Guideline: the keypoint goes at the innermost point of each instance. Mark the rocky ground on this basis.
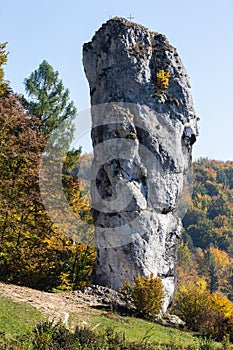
(58, 306)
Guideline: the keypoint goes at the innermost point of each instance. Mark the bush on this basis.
(53, 336)
(50, 335)
(210, 314)
(162, 80)
(84, 339)
(88, 339)
(192, 303)
(147, 295)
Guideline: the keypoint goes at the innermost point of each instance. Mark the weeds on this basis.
(54, 336)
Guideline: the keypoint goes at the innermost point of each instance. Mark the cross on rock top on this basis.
(130, 17)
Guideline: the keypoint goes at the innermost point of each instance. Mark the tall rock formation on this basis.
(143, 129)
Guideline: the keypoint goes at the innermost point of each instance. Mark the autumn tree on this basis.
(208, 224)
(209, 314)
(187, 268)
(209, 220)
(33, 251)
(223, 269)
(191, 303)
(48, 99)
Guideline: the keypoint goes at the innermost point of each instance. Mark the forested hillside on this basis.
(206, 250)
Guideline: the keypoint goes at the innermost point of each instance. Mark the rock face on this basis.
(143, 129)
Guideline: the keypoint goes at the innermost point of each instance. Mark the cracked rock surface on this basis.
(143, 130)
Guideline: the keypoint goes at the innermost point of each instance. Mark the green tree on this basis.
(213, 284)
(48, 99)
(3, 60)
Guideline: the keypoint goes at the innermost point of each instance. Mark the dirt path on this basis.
(56, 306)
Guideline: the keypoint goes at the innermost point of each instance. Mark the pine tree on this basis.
(3, 60)
(48, 99)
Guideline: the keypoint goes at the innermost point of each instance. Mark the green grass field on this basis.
(17, 321)
(135, 329)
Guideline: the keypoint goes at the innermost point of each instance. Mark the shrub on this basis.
(222, 305)
(191, 304)
(51, 335)
(161, 82)
(210, 314)
(218, 327)
(147, 295)
(88, 338)
(206, 344)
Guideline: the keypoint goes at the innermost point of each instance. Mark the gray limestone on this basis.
(142, 134)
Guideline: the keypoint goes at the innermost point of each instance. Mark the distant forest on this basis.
(206, 250)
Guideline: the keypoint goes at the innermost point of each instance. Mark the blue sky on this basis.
(201, 30)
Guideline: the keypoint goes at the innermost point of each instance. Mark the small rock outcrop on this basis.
(143, 129)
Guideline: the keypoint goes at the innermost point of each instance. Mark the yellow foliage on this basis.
(199, 287)
(222, 258)
(147, 294)
(223, 267)
(222, 305)
(162, 79)
(127, 289)
(210, 314)
(191, 301)
(202, 201)
(210, 174)
(65, 284)
(202, 285)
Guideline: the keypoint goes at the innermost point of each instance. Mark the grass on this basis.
(17, 319)
(135, 329)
